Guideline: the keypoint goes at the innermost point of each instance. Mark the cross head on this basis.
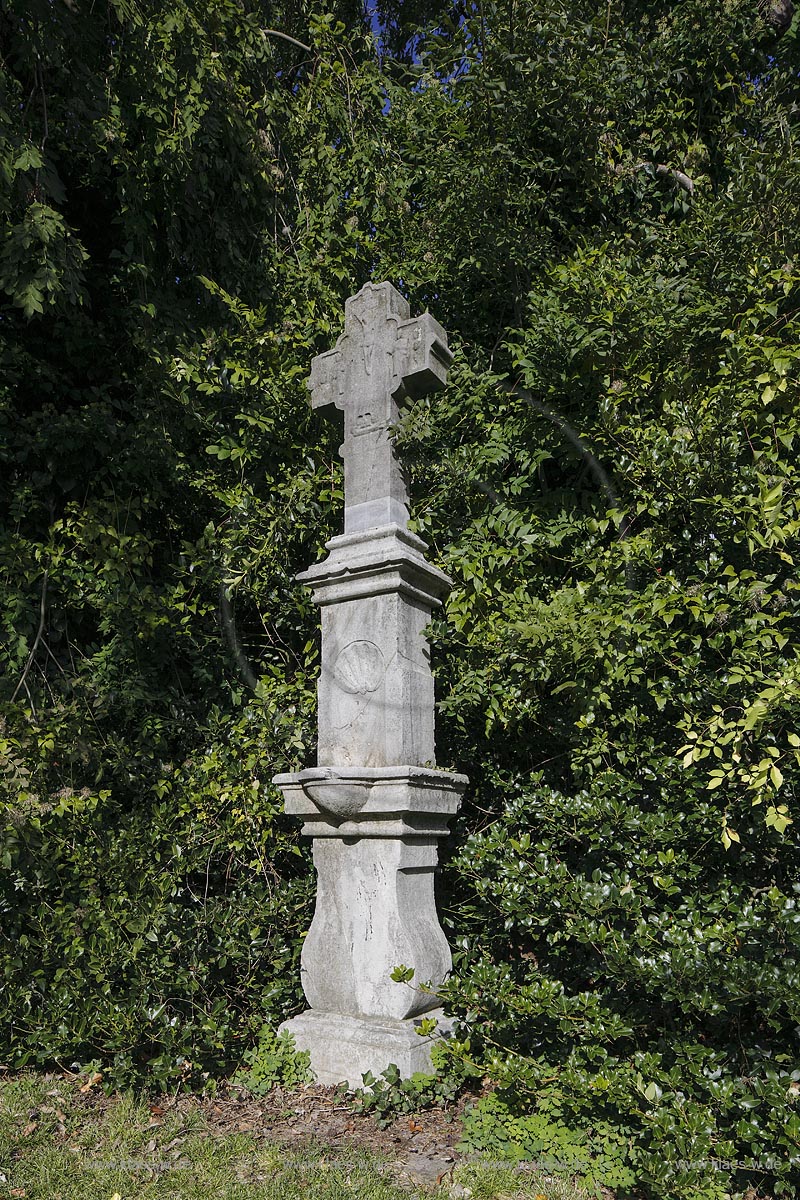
(383, 357)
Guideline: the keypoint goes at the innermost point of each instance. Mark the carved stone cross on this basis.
(382, 357)
(375, 804)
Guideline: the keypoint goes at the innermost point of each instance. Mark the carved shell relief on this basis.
(359, 667)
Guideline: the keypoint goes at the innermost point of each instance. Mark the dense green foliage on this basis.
(599, 204)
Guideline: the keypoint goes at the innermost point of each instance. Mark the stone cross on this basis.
(382, 357)
(375, 804)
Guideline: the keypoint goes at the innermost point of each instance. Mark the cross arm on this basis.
(326, 382)
(426, 358)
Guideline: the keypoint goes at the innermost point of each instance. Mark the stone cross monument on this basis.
(375, 806)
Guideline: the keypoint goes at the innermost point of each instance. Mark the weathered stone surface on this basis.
(375, 806)
(344, 1048)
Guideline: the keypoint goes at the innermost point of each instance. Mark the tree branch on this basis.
(277, 33)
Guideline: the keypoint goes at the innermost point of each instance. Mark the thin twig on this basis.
(46, 127)
(37, 639)
(229, 627)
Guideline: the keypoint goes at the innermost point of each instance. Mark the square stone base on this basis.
(344, 1048)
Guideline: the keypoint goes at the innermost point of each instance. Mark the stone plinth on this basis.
(344, 1048)
(375, 806)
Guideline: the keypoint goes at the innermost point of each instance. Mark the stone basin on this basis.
(340, 797)
(372, 801)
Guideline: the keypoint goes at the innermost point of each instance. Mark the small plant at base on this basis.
(391, 1096)
(275, 1060)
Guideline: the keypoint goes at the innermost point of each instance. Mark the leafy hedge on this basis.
(618, 663)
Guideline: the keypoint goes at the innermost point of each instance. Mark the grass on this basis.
(54, 1146)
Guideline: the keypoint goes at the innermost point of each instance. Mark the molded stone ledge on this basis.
(387, 559)
(343, 1048)
(365, 540)
(382, 802)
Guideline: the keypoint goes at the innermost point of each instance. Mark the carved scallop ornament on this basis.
(359, 668)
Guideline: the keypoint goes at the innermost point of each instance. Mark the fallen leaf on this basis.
(29, 1128)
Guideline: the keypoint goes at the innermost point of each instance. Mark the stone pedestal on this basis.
(375, 834)
(375, 806)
